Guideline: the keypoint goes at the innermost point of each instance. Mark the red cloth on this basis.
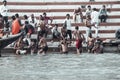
(78, 43)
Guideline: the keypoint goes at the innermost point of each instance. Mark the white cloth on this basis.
(28, 40)
(88, 31)
(38, 29)
(4, 10)
(95, 17)
(77, 18)
(31, 22)
(22, 51)
(96, 32)
(68, 24)
(88, 12)
(95, 21)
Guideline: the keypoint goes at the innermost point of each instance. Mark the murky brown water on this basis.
(61, 67)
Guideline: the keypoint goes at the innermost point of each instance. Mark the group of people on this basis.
(30, 26)
(40, 44)
(43, 26)
(92, 18)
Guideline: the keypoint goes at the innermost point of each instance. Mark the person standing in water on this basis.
(64, 46)
(42, 45)
(79, 39)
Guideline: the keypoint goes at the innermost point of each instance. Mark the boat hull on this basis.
(8, 40)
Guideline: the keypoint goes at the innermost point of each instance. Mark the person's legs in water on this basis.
(79, 46)
(45, 49)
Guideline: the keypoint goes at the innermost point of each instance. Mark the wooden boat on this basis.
(112, 45)
(5, 41)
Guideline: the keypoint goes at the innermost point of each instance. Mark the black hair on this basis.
(88, 6)
(5, 1)
(17, 15)
(94, 9)
(103, 5)
(25, 16)
(44, 13)
(1, 15)
(26, 22)
(67, 14)
(13, 17)
(76, 27)
(90, 35)
(41, 17)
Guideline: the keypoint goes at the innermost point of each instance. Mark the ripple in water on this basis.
(61, 67)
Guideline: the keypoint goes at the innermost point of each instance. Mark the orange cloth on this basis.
(15, 27)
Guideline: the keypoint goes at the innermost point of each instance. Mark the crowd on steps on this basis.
(65, 35)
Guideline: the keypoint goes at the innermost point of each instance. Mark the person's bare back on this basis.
(64, 46)
(78, 34)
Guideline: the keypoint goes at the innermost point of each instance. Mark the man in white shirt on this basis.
(32, 20)
(95, 20)
(4, 12)
(68, 25)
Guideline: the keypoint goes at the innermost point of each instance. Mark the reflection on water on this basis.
(61, 67)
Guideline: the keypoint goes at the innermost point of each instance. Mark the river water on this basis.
(61, 67)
